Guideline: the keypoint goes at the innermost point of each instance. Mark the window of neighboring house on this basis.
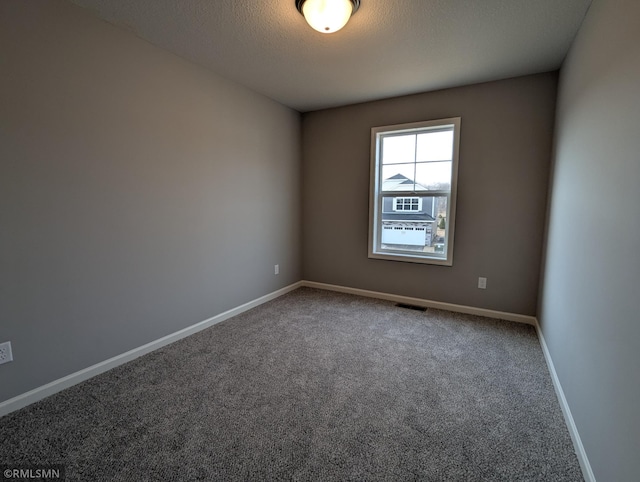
(407, 204)
(414, 170)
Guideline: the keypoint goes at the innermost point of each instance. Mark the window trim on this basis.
(376, 196)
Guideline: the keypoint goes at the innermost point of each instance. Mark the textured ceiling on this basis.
(389, 48)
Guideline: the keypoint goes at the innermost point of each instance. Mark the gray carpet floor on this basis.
(314, 385)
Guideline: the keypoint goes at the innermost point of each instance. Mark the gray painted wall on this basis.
(589, 309)
(139, 194)
(506, 137)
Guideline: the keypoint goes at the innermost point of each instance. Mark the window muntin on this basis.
(407, 204)
(413, 190)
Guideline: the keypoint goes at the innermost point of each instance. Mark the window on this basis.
(407, 204)
(414, 170)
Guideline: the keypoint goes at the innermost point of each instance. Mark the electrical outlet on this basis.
(482, 283)
(5, 352)
(276, 269)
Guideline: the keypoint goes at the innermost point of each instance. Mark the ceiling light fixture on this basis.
(327, 16)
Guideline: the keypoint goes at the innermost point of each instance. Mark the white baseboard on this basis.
(55, 386)
(44, 391)
(587, 472)
(470, 310)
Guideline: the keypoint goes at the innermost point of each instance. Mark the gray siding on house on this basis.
(388, 204)
(424, 214)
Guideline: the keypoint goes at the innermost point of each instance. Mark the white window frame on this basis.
(403, 202)
(376, 194)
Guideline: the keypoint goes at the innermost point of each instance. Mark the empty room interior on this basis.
(320, 240)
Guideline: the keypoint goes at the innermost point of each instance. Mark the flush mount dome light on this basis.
(327, 16)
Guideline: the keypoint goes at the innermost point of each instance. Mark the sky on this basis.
(428, 155)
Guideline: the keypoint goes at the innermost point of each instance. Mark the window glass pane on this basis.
(398, 149)
(411, 162)
(440, 237)
(434, 175)
(398, 177)
(411, 232)
(435, 146)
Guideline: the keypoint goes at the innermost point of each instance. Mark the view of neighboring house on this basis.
(410, 221)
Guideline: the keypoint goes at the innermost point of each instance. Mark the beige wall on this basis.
(589, 312)
(505, 148)
(139, 194)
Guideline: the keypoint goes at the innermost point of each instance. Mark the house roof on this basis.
(401, 183)
(407, 216)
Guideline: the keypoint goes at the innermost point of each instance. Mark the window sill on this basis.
(407, 258)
